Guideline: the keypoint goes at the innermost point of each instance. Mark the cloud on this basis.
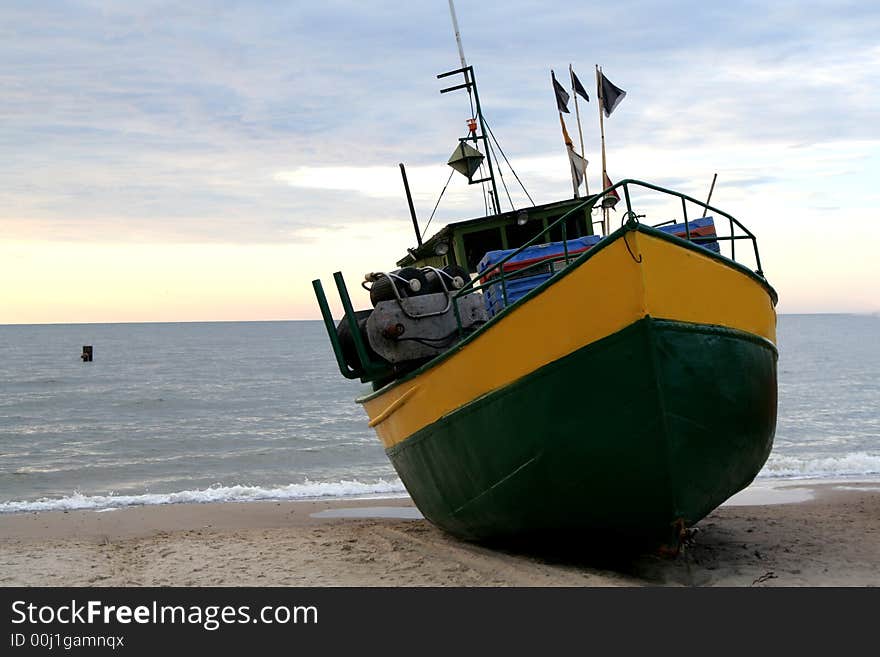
(262, 122)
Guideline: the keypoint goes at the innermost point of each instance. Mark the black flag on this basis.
(578, 87)
(561, 95)
(610, 95)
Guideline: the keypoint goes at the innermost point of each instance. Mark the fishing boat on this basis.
(536, 372)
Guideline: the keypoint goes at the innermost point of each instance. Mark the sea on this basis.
(242, 411)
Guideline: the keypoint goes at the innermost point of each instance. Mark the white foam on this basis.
(306, 490)
(848, 465)
(758, 495)
(778, 467)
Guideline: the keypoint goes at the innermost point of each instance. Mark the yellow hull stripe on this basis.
(603, 295)
(687, 286)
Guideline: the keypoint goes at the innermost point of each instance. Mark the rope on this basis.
(500, 150)
(501, 175)
(449, 337)
(485, 195)
(425, 231)
(631, 254)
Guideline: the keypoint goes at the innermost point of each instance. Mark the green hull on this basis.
(652, 426)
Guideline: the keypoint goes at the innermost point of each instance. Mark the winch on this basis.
(414, 316)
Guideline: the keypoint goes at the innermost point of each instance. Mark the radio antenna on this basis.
(457, 34)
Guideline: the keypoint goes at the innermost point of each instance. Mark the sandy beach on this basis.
(831, 537)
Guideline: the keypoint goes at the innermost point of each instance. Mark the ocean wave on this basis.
(848, 465)
(306, 490)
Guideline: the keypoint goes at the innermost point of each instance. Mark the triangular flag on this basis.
(609, 94)
(577, 86)
(606, 181)
(578, 165)
(561, 95)
(565, 136)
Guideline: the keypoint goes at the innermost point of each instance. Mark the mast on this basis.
(457, 34)
(412, 209)
(470, 83)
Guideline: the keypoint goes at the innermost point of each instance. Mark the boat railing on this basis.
(497, 274)
(733, 223)
(370, 369)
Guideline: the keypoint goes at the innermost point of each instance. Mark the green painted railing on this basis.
(630, 215)
(371, 370)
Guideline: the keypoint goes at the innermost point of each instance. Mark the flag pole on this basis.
(601, 104)
(580, 131)
(574, 180)
(565, 139)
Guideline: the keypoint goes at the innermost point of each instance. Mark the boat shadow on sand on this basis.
(759, 547)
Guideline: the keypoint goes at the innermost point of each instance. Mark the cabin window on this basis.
(476, 245)
(518, 235)
(573, 228)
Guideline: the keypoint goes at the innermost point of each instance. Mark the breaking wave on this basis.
(306, 490)
(849, 465)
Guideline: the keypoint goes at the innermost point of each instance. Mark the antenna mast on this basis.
(457, 34)
(470, 83)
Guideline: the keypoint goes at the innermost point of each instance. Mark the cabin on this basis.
(464, 243)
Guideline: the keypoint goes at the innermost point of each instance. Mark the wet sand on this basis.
(828, 534)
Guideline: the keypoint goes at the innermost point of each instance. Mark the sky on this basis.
(202, 161)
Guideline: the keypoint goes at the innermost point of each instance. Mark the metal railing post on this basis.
(361, 350)
(331, 330)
